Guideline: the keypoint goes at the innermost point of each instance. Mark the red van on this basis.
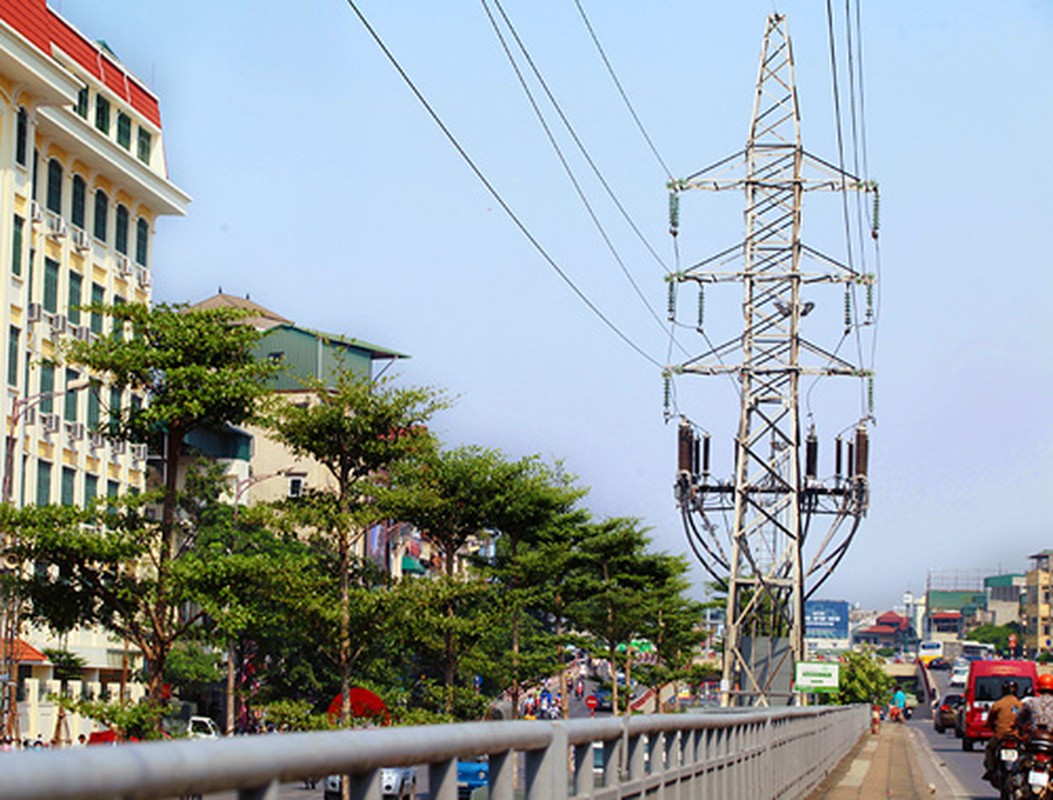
(984, 686)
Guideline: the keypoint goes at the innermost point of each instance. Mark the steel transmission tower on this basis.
(751, 532)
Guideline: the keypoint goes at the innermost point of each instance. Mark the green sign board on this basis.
(817, 676)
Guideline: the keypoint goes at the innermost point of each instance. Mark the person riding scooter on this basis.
(1001, 718)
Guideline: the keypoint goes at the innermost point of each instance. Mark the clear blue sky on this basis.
(323, 190)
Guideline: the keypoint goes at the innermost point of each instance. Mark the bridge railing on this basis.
(776, 753)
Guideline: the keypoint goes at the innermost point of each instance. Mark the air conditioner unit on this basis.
(81, 240)
(59, 323)
(56, 225)
(51, 422)
(96, 440)
(139, 452)
(82, 333)
(124, 265)
(36, 211)
(118, 447)
(30, 416)
(144, 276)
(34, 312)
(75, 431)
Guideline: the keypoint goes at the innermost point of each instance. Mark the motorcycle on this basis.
(1008, 776)
(1035, 767)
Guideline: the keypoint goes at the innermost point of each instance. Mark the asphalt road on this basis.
(967, 767)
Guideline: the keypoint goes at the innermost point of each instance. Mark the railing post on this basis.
(442, 778)
(502, 775)
(366, 786)
(582, 782)
(546, 769)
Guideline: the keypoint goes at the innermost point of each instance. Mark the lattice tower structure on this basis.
(771, 505)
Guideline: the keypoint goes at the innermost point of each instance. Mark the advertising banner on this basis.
(826, 619)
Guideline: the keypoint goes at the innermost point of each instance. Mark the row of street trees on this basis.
(284, 588)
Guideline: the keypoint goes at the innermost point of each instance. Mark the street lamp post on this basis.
(12, 601)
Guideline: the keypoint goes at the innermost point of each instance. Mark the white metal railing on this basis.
(774, 753)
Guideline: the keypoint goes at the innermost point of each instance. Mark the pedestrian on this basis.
(898, 709)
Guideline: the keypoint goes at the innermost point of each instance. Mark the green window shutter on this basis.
(124, 130)
(82, 102)
(51, 277)
(115, 410)
(70, 405)
(12, 355)
(143, 146)
(98, 297)
(94, 405)
(16, 245)
(142, 240)
(102, 207)
(121, 234)
(69, 478)
(47, 386)
(43, 483)
(91, 489)
(102, 114)
(77, 206)
(21, 136)
(118, 325)
(54, 195)
(74, 299)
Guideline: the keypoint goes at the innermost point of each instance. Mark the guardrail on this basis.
(776, 753)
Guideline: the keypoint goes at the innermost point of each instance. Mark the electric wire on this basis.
(577, 141)
(562, 158)
(621, 90)
(493, 191)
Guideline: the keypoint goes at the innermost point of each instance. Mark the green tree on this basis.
(862, 680)
(358, 429)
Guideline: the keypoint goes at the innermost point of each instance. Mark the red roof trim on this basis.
(44, 29)
(24, 652)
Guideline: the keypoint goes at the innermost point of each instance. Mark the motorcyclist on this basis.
(1001, 718)
(1037, 712)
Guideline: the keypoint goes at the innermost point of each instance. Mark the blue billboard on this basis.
(826, 619)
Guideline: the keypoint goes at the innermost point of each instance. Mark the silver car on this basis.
(396, 782)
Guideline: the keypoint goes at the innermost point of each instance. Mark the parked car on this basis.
(471, 774)
(945, 715)
(939, 663)
(396, 782)
(202, 728)
(604, 700)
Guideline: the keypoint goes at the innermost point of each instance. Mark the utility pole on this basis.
(770, 507)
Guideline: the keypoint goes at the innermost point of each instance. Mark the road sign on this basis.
(591, 702)
(817, 676)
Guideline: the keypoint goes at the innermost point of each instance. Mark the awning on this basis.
(411, 566)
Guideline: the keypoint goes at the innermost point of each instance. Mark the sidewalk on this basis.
(895, 763)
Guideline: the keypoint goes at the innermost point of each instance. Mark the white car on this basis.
(959, 674)
(397, 782)
(202, 728)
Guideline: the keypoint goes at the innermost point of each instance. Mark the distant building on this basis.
(1005, 596)
(1038, 636)
(889, 630)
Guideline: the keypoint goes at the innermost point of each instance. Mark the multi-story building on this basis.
(1038, 626)
(82, 184)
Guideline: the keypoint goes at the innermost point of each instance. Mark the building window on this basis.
(118, 324)
(102, 207)
(43, 483)
(54, 195)
(120, 239)
(102, 114)
(98, 297)
(69, 478)
(94, 405)
(295, 486)
(91, 489)
(143, 146)
(51, 276)
(74, 301)
(12, 356)
(80, 191)
(124, 130)
(115, 411)
(69, 411)
(142, 240)
(47, 388)
(82, 102)
(16, 246)
(21, 134)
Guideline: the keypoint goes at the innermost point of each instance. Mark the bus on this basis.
(978, 651)
(928, 650)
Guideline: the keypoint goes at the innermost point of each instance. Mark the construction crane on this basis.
(776, 530)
